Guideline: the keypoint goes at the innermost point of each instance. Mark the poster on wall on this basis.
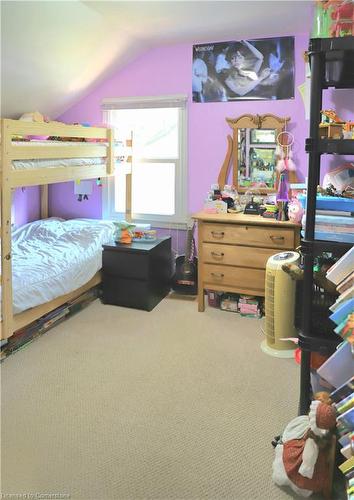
(260, 69)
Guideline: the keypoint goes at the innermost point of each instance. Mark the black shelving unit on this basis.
(332, 65)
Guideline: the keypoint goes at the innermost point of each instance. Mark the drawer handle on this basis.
(218, 234)
(281, 238)
(217, 275)
(216, 254)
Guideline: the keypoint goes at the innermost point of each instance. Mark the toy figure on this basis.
(301, 454)
(319, 277)
(343, 17)
(124, 232)
(295, 211)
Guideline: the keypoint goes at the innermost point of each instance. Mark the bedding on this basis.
(62, 162)
(52, 257)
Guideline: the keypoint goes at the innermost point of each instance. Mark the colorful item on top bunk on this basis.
(37, 117)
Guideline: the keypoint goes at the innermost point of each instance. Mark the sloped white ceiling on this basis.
(54, 52)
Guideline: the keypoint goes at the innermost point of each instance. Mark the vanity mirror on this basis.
(253, 151)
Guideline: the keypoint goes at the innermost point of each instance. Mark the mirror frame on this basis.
(266, 121)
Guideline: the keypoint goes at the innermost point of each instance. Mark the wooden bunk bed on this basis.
(11, 178)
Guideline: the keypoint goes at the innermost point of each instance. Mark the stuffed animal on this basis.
(295, 211)
(301, 453)
(124, 232)
(319, 277)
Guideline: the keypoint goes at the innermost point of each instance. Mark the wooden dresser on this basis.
(233, 250)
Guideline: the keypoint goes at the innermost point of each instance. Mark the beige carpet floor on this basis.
(122, 404)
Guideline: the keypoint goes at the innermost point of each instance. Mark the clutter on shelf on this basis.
(333, 127)
(334, 206)
(333, 19)
(222, 200)
(127, 232)
(245, 305)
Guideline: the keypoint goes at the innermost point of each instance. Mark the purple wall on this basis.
(25, 205)
(168, 70)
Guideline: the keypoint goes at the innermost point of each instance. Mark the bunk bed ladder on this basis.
(6, 268)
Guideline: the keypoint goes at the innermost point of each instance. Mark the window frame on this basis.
(180, 218)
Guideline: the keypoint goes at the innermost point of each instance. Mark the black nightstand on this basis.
(136, 275)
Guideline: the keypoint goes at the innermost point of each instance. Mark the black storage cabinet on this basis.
(136, 275)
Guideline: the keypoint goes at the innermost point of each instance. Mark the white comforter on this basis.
(53, 257)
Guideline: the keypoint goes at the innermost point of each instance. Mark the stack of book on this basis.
(338, 370)
(334, 219)
(342, 275)
(343, 399)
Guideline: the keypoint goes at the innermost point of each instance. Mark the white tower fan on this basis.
(279, 306)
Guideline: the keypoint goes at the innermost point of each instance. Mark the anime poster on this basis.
(246, 70)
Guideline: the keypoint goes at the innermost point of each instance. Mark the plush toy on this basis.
(301, 453)
(124, 232)
(295, 211)
(319, 277)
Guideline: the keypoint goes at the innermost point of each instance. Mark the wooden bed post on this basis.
(44, 201)
(128, 181)
(110, 152)
(6, 265)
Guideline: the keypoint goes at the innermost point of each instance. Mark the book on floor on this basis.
(347, 451)
(346, 439)
(346, 283)
(342, 312)
(347, 466)
(345, 404)
(342, 268)
(347, 295)
(339, 367)
(343, 391)
(345, 422)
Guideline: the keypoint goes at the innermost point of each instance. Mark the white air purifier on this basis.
(279, 306)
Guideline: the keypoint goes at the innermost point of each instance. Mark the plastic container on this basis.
(229, 302)
(214, 298)
(330, 203)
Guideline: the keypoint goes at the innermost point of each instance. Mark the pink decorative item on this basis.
(295, 211)
(284, 153)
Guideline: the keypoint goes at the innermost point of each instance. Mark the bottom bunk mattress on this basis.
(52, 257)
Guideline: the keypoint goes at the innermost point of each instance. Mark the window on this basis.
(157, 126)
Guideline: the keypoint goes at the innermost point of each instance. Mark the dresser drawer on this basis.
(268, 237)
(233, 255)
(234, 276)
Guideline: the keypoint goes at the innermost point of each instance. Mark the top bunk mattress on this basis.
(53, 257)
(34, 163)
